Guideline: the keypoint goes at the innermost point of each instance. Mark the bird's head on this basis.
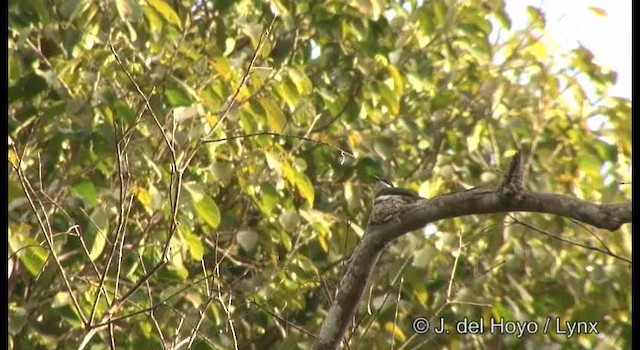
(387, 191)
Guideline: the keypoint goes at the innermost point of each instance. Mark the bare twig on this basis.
(454, 268)
(147, 103)
(151, 315)
(243, 81)
(275, 134)
(556, 237)
(45, 226)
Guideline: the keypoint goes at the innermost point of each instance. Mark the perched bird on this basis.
(390, 202)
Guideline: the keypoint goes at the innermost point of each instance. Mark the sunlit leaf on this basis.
(536, 16)
(389, 98)
(598, 11)
(95, 235)
(301, 81)
(276, 120)
(287, 90)
(29, 251)
(398, 83)
(301, 183)
(395, 331)
(153, 18)
(166, 11)
(205, 206)
(124, 8)
(196, 248)
(474, 140)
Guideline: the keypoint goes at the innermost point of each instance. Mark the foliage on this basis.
(115, 105)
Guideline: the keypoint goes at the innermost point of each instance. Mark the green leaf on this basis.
(206, 208)
(15, 69)
(300, 181)
(155, 22)
(474, 140)
(301, 81)
(268, 198)
(95, 235)
(389, 98)
(32, 255)
(442, 100)
(288, 92)
(41, 8)
(178, 97)
(536, 16)
(54, 110)
(166, 11)
(143, 196)
(87, 191)
(398, 82)
(19, 317)
(285, 240)
(222, 66)
(123, 111)
(15, 190)
(276, 120)
(196, 249)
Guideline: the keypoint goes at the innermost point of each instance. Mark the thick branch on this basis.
(417, 215)
(605, 216)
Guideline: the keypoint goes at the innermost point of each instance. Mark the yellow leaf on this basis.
(398, 82)
(598, 11)
(300, 181)
(144, 197)
(354, 138)
(301, 81)
(474, 140)
(396, 331)
(13, 158)
(166, 11)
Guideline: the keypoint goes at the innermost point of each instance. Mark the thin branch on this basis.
(151, 315)
(280, 318)
(243, 81)
(586, 246)
(395, 279)
(192, 152)
(147, 103)
(45, 226)
(395, 314)
(355, 90)
(174, 192)
(275, 134)
(584, 227)
(454, 268)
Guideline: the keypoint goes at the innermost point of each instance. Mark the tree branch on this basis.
(510, 196)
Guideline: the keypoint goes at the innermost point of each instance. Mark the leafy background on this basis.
(115, 105)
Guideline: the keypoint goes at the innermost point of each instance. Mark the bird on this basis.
(390, 201)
